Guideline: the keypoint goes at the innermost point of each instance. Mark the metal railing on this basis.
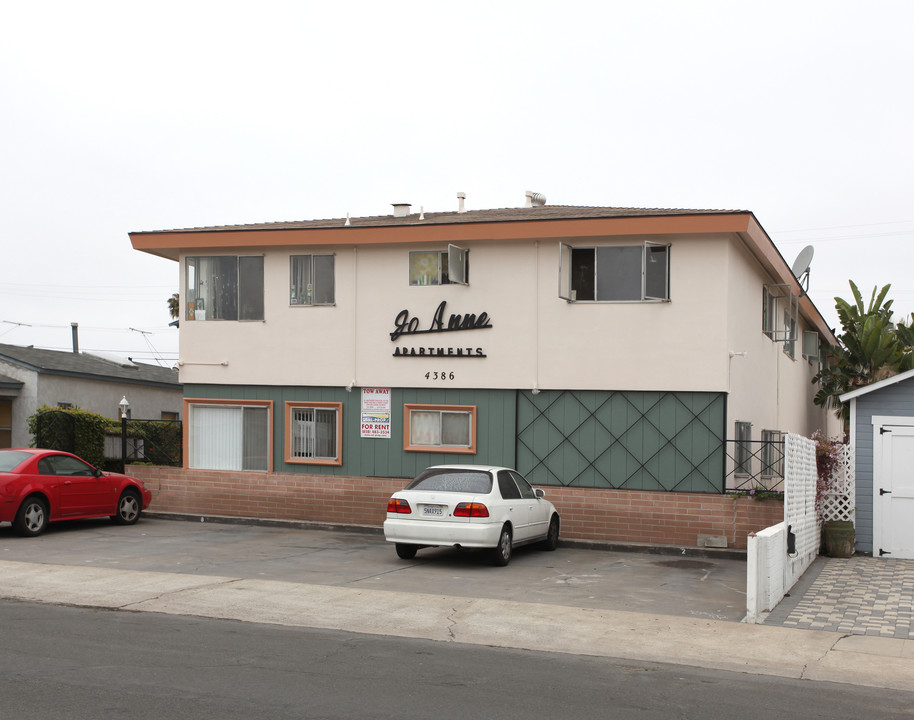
(754, 465)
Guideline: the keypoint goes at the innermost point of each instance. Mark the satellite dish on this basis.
(800, 266)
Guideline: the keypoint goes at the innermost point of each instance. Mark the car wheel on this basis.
(128, 508)
(407, 552)
(552, 537)
(501, 555)
(32, 517)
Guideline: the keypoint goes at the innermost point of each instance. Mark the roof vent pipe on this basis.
(401, 209)
(74, 329)
(535, 199)
(461, 197)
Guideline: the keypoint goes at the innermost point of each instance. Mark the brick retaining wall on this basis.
(587, 514)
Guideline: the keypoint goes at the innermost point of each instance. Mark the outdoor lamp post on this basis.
(123, 405)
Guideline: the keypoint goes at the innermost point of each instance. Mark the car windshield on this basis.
(11, 459)
(463, 481)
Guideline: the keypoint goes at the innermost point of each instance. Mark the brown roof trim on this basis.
(170, 243)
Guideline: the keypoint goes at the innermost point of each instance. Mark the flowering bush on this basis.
(828, 459)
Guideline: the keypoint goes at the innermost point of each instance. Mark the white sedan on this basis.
(472, 506)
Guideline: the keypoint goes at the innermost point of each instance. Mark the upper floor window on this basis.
(629, 273)
(312, 281)
(790, 332)
(224, 287)
(780, 310)
(439, 267)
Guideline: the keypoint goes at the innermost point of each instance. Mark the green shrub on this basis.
(88, 433)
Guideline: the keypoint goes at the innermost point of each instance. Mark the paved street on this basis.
(82, 664)
(632, 606)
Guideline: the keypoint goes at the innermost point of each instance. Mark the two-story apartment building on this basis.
(608, 354)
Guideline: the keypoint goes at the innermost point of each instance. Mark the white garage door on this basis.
(893, 490)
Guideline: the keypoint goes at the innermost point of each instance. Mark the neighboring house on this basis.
(882, 435)
(595, 349)
(32, 377)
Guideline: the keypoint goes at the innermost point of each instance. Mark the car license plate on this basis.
(433, 510)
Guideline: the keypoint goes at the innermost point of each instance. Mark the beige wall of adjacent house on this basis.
(536, 339)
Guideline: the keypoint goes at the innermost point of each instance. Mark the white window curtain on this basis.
(229, 437)
(215, 437)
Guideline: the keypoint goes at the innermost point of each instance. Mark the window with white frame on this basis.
(311, 280)
(229, 436)
(772, 453)
(627, 273)
(439, 428)
(743, 454)
(224, 287)
(439, 267)
(780, 312)
(314, 432)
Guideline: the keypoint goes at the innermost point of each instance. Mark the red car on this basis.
(41, 486)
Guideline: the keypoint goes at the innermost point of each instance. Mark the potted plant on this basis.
(838, 535)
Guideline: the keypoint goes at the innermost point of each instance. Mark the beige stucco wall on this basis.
(536, 338)
(767, 387)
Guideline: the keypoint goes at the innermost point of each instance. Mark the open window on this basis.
(780, 313)
(439, 267)
(617, 273)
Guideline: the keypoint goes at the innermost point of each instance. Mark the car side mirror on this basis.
(539, 492)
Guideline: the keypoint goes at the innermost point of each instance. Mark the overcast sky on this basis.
(120, 116)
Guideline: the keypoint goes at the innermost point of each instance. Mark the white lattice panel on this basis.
(838, 502)
(800, 478)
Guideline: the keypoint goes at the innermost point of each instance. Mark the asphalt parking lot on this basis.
(701, 587)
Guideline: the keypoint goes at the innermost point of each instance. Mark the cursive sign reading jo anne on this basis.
(406, 325)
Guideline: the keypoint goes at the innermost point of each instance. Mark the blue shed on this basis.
(882, 434)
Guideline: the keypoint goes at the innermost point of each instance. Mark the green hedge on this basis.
(89, 432)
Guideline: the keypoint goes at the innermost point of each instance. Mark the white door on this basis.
(893, 491)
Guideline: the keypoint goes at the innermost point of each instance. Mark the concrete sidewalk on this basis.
(83, 567)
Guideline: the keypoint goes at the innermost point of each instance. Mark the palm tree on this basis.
(871, 348)
(174, 306)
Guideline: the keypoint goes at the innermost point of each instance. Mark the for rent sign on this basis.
(375, 412)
